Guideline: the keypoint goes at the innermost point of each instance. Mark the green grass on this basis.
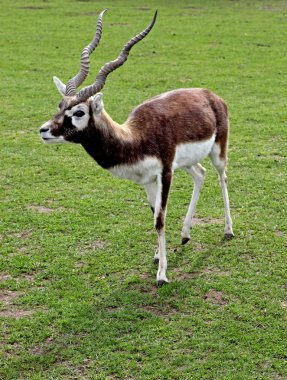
(78, 297)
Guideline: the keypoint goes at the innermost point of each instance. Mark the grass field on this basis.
(78, 297)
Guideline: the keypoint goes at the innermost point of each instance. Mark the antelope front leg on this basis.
(151, 190)
(163, 187)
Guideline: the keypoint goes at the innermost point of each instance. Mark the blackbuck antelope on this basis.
(177, 129)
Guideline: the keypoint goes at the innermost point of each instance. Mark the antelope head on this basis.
(76, 109)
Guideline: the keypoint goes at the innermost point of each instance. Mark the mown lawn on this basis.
(78, 297)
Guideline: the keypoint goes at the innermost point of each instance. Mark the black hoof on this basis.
(228, 236)
(184, 240)
(156, 261)
(160, 283)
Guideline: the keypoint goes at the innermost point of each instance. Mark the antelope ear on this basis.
(97, 103)
(60, 86)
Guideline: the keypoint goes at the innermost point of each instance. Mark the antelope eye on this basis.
(79, 113)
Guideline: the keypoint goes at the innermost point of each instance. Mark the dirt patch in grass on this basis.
(42, 349)
(28, 277)
(7, 298)
(92, 246)
(80, 264)
(81, 370)
(43, 209)
(113, 309)
(198, 247)
(205, 221)
(25, 234)
(98, 244)
(22, 250)
(184, 276)
(40, 209)
(25, 276)
(215, 297)
(165, 311)
(4, 277)
(16, 313)
(148, 287)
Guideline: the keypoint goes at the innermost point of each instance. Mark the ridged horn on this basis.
(78, 79)
(100, 81)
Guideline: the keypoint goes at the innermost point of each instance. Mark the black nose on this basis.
(44, 129)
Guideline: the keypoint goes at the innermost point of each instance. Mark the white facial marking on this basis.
(54, 140)
(47, 137)
(80, 115)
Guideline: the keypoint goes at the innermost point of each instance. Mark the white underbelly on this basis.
(189, 154)
(147, 170)
(142, 172)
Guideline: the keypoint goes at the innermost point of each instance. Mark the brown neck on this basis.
(113, 129)
(110, 143)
